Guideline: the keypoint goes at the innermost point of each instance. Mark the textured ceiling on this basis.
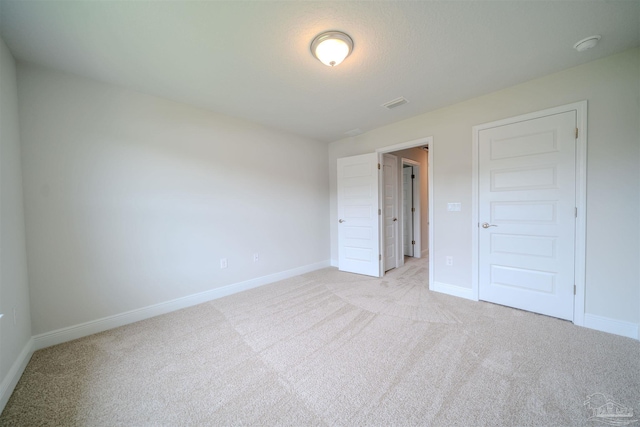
(252, 59)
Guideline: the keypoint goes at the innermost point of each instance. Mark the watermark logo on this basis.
(606, 410)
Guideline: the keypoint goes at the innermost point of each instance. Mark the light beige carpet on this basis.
(330, 348)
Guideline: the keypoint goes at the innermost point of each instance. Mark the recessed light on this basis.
(587, 43)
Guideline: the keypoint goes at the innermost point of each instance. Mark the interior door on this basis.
(407, 209)
(390, 210)
(358, 224)
(527, 214)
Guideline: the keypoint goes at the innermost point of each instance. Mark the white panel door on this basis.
(407, 209)
(358, 227)
(390, 210)
(527, 214)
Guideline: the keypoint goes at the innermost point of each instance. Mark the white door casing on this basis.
(390, 210)
(358, 225)
(407, 209)
(527, 201)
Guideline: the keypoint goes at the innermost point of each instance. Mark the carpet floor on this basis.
(332, 348)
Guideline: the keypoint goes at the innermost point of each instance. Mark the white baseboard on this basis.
(334, 263)
(59, 336)
(591, 321)
(13, 376)
(612, 326)
(456, 291)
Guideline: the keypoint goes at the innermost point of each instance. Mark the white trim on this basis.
(612, 326)
(404, 145)
(380, 221)
(581, 198)
(400, 212)
(99, 325)
(410, 161)
(453, 290)
(417, 215)
(333, 263)
(13, 376)
(430, 251)
(581, 220)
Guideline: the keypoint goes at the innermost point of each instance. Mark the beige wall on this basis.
(612, 88)
(14, 291)
(132, 200)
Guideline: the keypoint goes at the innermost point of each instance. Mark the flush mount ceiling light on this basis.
(587, 43)
(332, 47)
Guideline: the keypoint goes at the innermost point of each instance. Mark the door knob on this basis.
(341, 221)
(487, 225)
(395, 219)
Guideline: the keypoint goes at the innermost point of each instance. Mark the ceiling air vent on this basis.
(353, 132)
(395, 103)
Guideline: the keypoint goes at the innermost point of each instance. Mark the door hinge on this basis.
(413, 242)
(413, 177)
(379, 257)
(379, 211)
(378, 166)
(574, 289)
(413, 209)
(576, 133)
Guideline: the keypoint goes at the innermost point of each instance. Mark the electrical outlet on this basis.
(223, 263)
(256, 257)
(449, 260)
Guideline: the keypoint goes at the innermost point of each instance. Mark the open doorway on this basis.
(360, 197)
(408, 189)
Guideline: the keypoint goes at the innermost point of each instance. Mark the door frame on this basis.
(417, 229)
(581, 199)
(428, 141)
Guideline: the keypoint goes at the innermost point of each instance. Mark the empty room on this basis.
(319, 213)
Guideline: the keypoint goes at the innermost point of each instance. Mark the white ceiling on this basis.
(252, 59)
